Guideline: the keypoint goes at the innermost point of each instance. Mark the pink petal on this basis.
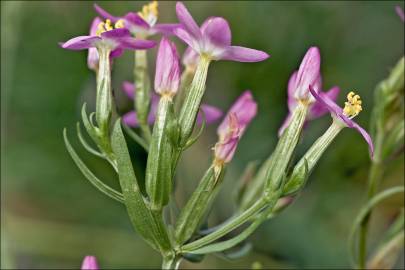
(134, 20)
(80, 43)
(291, 101)
(308, 73)
(366, 137)
(187, 21)
(317, 109)
(216, 32)
(185, 36)
(105, 14)
(89, 263)
(94, 26)
(211, 114)
(116, 34)
(242, 54)
(166, 29)
(136, 44)
(129, 89)
(167, 77)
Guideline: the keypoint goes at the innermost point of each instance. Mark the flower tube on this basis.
(89, 263)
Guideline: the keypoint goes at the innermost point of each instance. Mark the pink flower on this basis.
(233, 126)
(307, 74)
(89, 263)
(213, 39)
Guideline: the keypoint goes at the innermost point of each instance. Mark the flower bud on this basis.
(167, 78)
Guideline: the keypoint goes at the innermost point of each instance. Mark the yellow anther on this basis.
(352, 105)
(119, 24)
(150, 12)
(107, 26)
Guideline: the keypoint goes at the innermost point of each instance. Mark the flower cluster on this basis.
(163, 122)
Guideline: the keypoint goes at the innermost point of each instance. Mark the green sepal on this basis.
(173, 127)
(192, 101)
(285, 148)
(191, 141)
(158, 176)
(297, 179)
(90, 128)
(193, 212)
(143, 220)
(112, 193)
(85, 144)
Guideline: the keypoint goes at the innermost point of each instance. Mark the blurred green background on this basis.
(52, 217)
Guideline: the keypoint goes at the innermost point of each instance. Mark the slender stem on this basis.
(171, 262)
(376, 173)
(227, 227)
(142, 93)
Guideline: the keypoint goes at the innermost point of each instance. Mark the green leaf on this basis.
(393, 141)
(85, 144)
(144, 221)
(365, 210)
(112, 193)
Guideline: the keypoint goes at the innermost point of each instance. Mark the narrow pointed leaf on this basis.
(141, 217)
(112, 193)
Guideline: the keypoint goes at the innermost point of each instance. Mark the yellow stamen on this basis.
(352, 105)
(150, 12)
(119, 24)
(107, 26)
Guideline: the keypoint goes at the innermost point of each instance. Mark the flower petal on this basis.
(185, 36)
(216, 32)
(92, 59)
(245, 109)
(317, 109)
(242, 54)
(80, 43)
(116, 34)
(308, 73)
(167, 28)
(187, 21)
(291, 101)
(94, 26)
(400, 13)
(133, 19)
(105, 14)
(89, 263)
(366, 137)
(211, 114)
(129, 89)
(136, 44)
(167, 77)
(116, 53)
(190, 57)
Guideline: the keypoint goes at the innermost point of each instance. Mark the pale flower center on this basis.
(352, 105)
(107, 26)
(150, 13)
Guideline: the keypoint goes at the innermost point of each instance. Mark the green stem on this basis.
(376, 173)
(142, 93)
(231, 224)
(171, 262)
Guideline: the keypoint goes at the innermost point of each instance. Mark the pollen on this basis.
(150, 12)
(352, 105)
(107, 26)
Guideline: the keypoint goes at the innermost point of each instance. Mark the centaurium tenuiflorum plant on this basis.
(172, 117)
